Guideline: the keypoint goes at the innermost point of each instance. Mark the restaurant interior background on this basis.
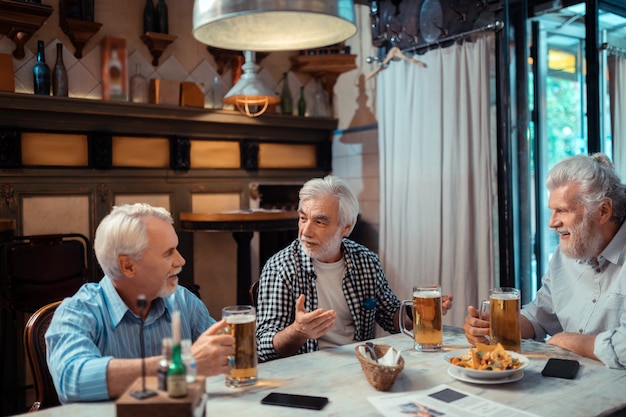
(185, 59)
(462, 204)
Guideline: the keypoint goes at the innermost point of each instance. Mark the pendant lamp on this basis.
(273, 25)
(249, 95)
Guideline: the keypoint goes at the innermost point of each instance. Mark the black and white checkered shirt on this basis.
(290, 273)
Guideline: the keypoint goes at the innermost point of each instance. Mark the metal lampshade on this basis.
(249, 95)
(273, 25)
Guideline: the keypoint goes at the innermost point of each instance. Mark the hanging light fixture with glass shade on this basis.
(249, 95)
(273, 25)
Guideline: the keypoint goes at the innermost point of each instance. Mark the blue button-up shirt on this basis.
(95, 325)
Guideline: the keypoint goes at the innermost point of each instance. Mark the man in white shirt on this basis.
(581, 304)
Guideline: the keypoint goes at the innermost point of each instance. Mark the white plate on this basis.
(456, 372)
(475, 374)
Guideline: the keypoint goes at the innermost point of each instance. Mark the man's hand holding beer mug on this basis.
(241, 324)
(498, 320)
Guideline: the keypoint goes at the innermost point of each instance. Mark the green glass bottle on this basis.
(177, 373)
(301, 103)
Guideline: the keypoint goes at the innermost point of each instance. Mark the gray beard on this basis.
(585, 243)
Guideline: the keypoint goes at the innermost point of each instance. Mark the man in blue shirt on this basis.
(93, 348)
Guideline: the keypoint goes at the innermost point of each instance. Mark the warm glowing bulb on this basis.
(252, 107)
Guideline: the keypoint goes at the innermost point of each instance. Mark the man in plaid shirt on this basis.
(323, 289)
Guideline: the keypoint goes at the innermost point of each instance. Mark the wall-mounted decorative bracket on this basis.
(19, 21)
(325, 67)
(157, 43)
(79, 32)
(223, 57)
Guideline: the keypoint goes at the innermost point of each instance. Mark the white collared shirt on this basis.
(586, 298)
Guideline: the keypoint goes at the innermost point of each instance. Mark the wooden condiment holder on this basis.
(161, 405)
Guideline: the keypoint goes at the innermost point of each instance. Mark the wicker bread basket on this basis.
(379, 376)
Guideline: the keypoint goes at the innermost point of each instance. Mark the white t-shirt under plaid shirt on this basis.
(290, 273)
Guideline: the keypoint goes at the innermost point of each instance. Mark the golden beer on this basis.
(243, 329)
(427, 320)
(504, 321)
(426, 307)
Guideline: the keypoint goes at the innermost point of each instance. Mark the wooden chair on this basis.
(41, 269)
(254, 293)
(34, 271)
(35, 346)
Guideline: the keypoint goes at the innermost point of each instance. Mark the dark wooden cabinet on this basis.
(297, 149)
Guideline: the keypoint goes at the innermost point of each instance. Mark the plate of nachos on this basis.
(486, 362)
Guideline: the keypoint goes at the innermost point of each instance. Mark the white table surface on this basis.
(336, 374)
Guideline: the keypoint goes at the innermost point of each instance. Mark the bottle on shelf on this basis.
(149, 17)
(321, 105)
(138, 86)
(164, 364)
(189, 360)
(215, 94)
(286, 99)
(162, 19)
(59, 75)
(41, 72)
(176, 373)
(70, 9)
(87, 10)
(116, 84)
(301, 103)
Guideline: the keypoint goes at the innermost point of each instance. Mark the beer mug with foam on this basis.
(241, 322)
(427, 331)
(504, 322)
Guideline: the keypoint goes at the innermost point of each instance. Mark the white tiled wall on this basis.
(184, 60)
(355, 149)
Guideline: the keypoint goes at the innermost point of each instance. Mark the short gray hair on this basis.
(331, 185)
(597, 180)
(123, 232)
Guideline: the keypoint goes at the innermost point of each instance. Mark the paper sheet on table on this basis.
(442, 400)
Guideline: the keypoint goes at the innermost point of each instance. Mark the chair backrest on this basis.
(254, 292)
(35, 346)
(38, 270)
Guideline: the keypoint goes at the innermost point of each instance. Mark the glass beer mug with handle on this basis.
(504, 320)
(426, 307)
(241, 322)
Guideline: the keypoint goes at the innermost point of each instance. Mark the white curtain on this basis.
(437, 174)
(617, 93)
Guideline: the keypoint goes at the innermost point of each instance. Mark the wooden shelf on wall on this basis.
(19, 21)
(64, 114)
(79, 32)
(157, 43)
(325, 67)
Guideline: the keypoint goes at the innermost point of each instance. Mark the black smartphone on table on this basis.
(294, 400)
(561, 368)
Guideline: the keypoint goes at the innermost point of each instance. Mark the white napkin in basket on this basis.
(390, 358)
